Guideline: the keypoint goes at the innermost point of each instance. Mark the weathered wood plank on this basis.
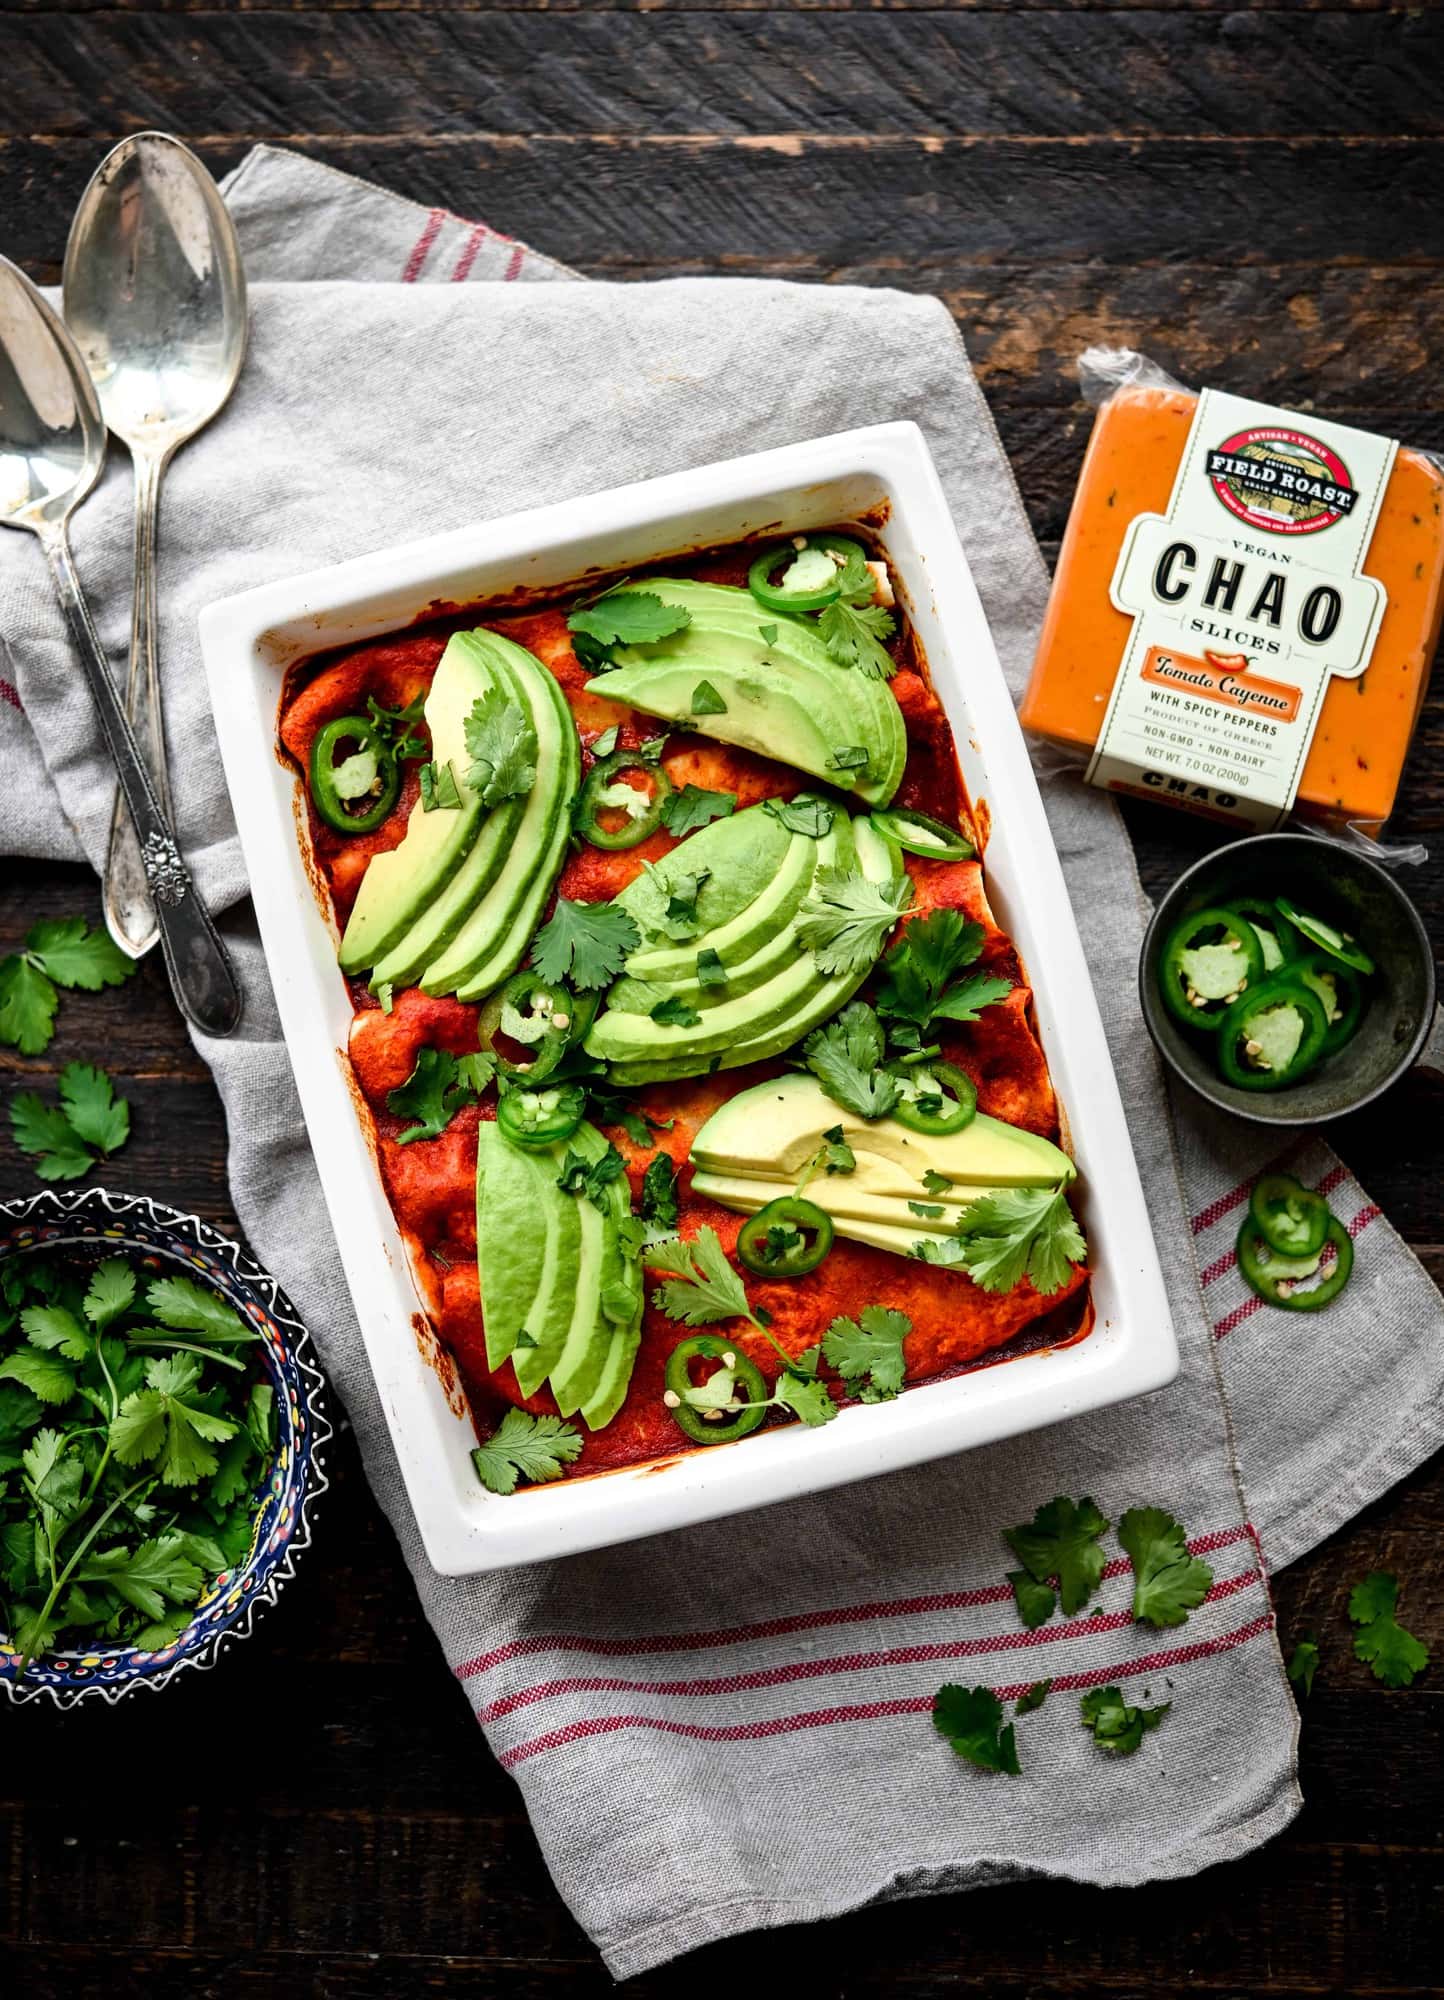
(606, 204)
(655, 7)
(944, 74)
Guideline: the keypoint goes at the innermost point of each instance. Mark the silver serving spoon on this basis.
(52, 447)
(156, 299)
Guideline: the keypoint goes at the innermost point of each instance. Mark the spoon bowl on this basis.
(52, 434)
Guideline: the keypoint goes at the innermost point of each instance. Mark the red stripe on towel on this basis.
(10, 694)
(469, 251)
(1018, 1640)
(518, 258)
(867, 1711)
(805, 1621)
(422, 248)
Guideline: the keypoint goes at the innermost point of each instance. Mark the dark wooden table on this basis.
(1251, 194)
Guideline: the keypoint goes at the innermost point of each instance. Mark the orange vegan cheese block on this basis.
(1352, 767)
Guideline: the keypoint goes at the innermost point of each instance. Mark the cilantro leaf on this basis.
(432, 1095)
(673, 1012)
(28, 1002)
(587, 943)
(670, 901)
(846, 1057)
(1395, 1656)
(936, 1183)
(871, 1346)
(710, 969)
(1033, 1697)
(95, 1113)
(439, 790)
(44, 1131)
(1061, 1541)
(1036, 1601)
(1018, 1230)
(913, 979)
(111, 1292)
(972, 1721)
(694, 806)
(804, 814)
(846, 917)
(702, 1286)
(20, 1411)
(65, 950)
(966, 1000)
(158, 1423)
(56, 1330)
(706, 700)
(1116, 1727)
(157, 1573)
(629, 618)
(1304, 1664)
(1168, 1582)
(181, 1303)
(853, 636)
(659, 1192)
(503, 746)
(41, 1374)
(805, 1396)
(525, 1447)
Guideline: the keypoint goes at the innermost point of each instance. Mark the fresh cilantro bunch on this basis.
(134, 1432)
(64, 1139)
(436, 1089)
(58, 952)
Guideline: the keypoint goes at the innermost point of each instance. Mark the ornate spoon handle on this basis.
(201, 975)
(129, 909)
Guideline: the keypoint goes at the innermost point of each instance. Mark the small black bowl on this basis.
(1346, 889)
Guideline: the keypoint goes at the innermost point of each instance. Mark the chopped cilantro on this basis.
(58, 951)
(1061, 1542)
(586, 943)
(435, 1091)
(674, 1012)
(1016, 1231)
(846, 1058)
(659, 1193)
(1116, 1727)
(870, 1347)
(603, 746)
(1304, 1663)
(710, 969)
(579, 1175)
(503, 746)
(1168, 1582)
(438, 788)
(525, 1447)
(972, 1721)
(846, 917)
(683, 812)
(706, 700)
(936, 1183)
(804, 814)
(1395, 1656)
(848, 757)
(930, 1209)
(767, 634)
(1033, 1697)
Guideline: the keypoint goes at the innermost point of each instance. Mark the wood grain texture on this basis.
(1251, 194)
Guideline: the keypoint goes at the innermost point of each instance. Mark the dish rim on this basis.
(248, 641)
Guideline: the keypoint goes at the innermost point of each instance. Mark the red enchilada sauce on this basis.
(431, 1183)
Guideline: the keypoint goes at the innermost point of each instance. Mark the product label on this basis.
(1246, 596)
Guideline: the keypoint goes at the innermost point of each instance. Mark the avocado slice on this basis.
(775, 1128)
(490, 943)
(895, 1228)
(402, 883)
(786, 698)
(517, 1241)
(444, 916)
(843, 1200)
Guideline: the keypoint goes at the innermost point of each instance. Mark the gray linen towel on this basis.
(728, 1728)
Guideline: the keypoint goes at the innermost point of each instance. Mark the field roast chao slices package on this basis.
(1246, 605)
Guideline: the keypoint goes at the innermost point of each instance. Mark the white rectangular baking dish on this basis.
(248, 642)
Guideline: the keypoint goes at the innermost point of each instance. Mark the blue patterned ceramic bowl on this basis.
(92, 1222)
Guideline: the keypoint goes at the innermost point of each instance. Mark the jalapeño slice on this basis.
(1292, 1220)
(535, 1119)
(628, 819)
(1272, 1037)
(749, 1389)
(786, 1239)
(937, 1098)
(1207, 961)
(1283, 1281)
(528, 1026)
(367, 763)
(1338, 944)
(918, 833)
(809, 594)
(1340, 991)
(1277, 940)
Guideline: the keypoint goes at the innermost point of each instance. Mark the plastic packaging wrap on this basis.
(1245, 610)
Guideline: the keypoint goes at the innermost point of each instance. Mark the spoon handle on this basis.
(130, 915)
(201, 975)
